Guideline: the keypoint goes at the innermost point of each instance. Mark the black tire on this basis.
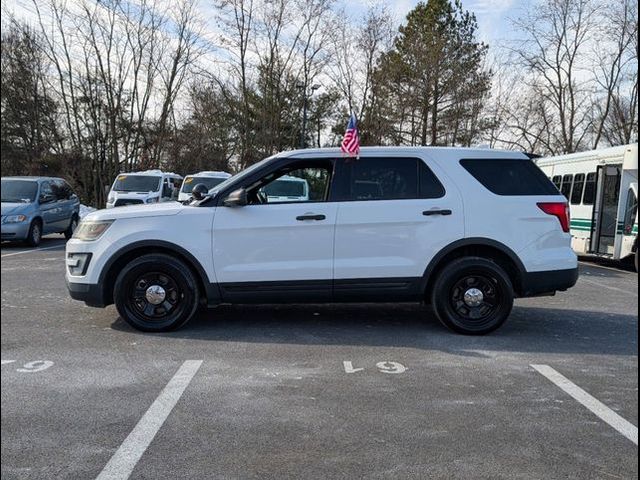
(68, 233)
(459, 312)
(177, 281)
(34, 237)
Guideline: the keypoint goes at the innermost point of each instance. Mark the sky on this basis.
(492, 15)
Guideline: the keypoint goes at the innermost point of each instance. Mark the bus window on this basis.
(557, 181)
(578, 187)
(567, 182)
(631, 212)
(590, 189)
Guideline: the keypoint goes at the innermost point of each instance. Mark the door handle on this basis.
(302, 218)
(428, 213)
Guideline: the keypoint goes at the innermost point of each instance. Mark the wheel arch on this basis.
(124, 255)
(479, 247)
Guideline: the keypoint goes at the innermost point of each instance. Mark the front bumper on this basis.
(540, 283)
(90, 294)
(15, 231)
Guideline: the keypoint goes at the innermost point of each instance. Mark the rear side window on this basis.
(590, 189)
(557, 181)
(578, 188)
(388, 179)
(567, 183)
(510, 177)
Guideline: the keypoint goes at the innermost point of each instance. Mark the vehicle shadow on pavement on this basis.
(529, 329)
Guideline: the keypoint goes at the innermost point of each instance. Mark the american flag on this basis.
(351, 141)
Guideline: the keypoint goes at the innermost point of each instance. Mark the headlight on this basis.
(153, 200)
(77, 263)
(88, 231)
(14, 218)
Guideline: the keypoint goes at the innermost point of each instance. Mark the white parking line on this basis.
(32, 250)
(618, 270)
(608, 287)
(596, 406)
(127, 456)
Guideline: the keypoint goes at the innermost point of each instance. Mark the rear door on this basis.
(395, 214)
(268, 249)
(50, 209)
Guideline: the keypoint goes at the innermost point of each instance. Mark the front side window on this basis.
(631, 212)
(578, 188)
(299, 182)
(567, 183)
(590, 189)
(136, 183)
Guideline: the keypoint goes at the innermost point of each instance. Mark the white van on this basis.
(210, 179)
(150, 186)
(602, 188)
(287, 189)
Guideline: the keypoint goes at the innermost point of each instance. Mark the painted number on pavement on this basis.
(383, 367)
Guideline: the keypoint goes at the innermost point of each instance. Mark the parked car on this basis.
(462, 229)
(150, 186)
(36, 206)
(209, 179)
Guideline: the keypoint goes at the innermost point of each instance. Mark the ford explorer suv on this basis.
(36, 206)
(464, 230)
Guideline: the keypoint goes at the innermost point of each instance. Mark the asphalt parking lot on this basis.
(346, 391)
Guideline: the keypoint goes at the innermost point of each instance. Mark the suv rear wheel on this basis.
(156, 293)
(472, 296)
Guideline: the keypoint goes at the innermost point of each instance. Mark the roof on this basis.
(210, 174)
(31, 178)
(475, 151)
(150, 173)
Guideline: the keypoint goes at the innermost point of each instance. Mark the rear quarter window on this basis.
(510, 177)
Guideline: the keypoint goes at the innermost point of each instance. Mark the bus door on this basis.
(605, 210)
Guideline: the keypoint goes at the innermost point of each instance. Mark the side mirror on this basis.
(237, 198)
(199, 191)
(46, 198)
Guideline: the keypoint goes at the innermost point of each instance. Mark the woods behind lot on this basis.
(90, 89)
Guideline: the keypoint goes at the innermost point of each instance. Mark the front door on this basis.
(395, 215)
(272, 248)
(605, 210)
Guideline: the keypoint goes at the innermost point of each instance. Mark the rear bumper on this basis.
(90, 294)
(538, 283)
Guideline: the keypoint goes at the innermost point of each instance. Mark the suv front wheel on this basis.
(156, 293)
(472, 296)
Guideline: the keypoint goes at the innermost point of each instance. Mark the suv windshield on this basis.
(136, 183)
(19, 191)
(191, 182)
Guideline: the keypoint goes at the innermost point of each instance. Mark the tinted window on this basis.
(567, 183)
(578, 188)
(19, 191)
(590, 189)
(510, 177)
(387, 179)
(430, 186)
(631, 212)
(557, 181)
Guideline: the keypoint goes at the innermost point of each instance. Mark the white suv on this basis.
(464, 230)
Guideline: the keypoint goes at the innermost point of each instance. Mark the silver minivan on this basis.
(36, 206)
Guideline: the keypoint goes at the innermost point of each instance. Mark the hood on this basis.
(135, 211)
(11, 208)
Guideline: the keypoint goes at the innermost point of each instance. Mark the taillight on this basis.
(559, 210)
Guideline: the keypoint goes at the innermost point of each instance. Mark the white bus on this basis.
(602, 189)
